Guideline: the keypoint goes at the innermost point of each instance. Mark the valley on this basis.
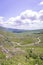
(21, 48)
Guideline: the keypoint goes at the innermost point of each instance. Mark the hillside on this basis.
(21, 30)
(21, 48)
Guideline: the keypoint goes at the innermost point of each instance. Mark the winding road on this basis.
(31, 43)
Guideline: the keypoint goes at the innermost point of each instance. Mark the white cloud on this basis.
(1, 20)
(26, 20)
(41, 3)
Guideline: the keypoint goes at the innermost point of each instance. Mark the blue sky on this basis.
(10, 8)
(15, 14)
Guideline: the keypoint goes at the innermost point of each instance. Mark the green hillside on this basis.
(21, 48)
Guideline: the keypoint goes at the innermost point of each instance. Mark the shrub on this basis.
(34, 56)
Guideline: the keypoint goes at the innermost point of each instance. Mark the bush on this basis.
(33, 55)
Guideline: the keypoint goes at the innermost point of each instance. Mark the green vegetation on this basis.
(21, 48)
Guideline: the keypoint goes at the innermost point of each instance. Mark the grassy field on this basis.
(21, 48)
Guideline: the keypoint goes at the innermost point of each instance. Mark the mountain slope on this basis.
(21, 30)
(20, 48)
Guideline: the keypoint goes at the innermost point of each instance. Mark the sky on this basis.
(21, 14)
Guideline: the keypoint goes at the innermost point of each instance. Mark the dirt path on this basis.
(31, 43)
(38, 41)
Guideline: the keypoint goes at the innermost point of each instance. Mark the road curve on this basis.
(31, 43)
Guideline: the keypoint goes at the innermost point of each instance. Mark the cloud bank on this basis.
(26, 20)
(41, 3)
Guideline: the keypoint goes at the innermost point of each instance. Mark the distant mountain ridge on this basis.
(21, 30)
(12, 30)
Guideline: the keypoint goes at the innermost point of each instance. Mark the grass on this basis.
(20, 55)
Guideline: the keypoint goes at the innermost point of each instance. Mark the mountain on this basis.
(20, 49)
(21, 30)
(12, 30)
(36, 31)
